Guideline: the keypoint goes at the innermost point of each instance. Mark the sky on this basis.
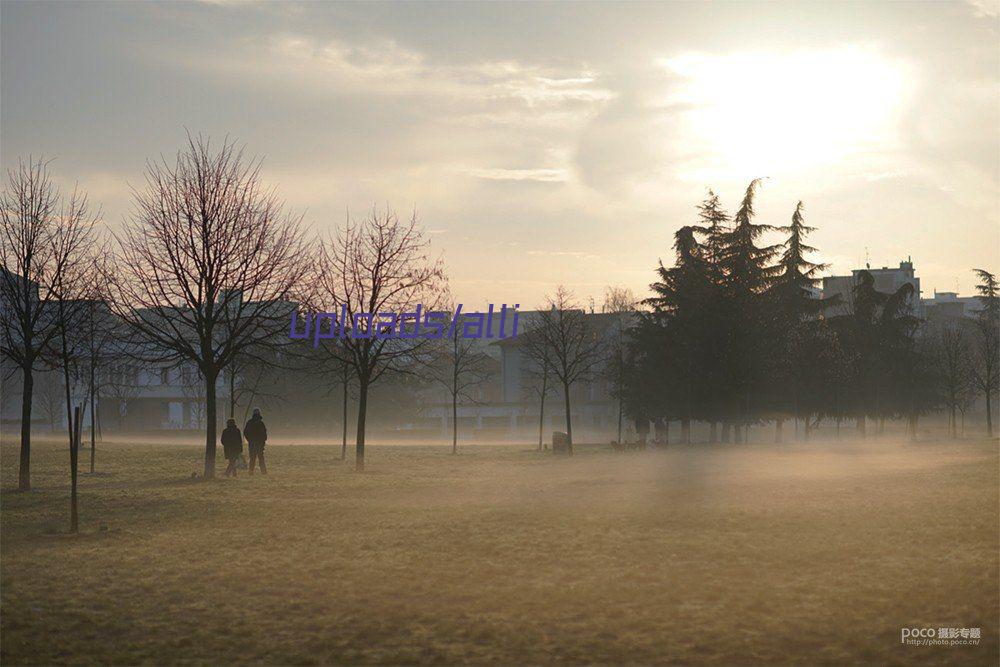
(541, 144)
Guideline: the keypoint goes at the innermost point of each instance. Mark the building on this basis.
(887, 280)
(946, 305)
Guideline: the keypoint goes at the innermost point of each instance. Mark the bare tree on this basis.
(336, 373)
(41, 240)
(461, 368)
(951, 352)
(97, 326)
(568, 344)
(121, 383)
(48, 389)
(620, 302)
(369, 268)
(541, 375)
(206, 265)
(74, 239)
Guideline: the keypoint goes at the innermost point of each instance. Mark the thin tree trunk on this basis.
(232, 395)
(713, 435)
(93, 418)
(726, 432)
(569, 421)
(24, 469)
(454, 424)
(73, 425)
(989, 413)
(359, 447)
(686, 431)
(343, 442)
(620, 411)
(541, 419)
(74, 457)
(541, 413)
(210, 427)
(778, 427)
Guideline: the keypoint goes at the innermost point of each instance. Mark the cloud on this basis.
(540, 175)
(383, 67)
(985, 8)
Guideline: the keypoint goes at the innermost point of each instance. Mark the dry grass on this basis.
(717, 555)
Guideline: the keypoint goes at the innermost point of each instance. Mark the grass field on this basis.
(696, 555)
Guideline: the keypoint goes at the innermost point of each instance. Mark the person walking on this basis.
(256, 435)
(232, 446)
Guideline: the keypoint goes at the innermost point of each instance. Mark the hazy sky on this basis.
(542, 143)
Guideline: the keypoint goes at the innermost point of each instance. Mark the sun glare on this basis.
(771, 114)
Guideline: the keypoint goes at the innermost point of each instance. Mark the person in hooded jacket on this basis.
(232, 446)
(256, 435)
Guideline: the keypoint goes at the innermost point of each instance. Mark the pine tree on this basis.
(680, 308)
(714, 222)
(986, 374)
(796, 307)
(747, 277)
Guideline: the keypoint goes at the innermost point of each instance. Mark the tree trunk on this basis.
(454, 423)
(725, 432)
(93, 418)
(778, 427)
(861, 427)
(686, 431)
(989, 413)
(954, 422)
(343, 442)
(806, 428)
(657, 430)
(24, 470)
(210, 427)
(541, 418)
(713, 435)
(569, 421)
(74, 457)
(619, 420)
(359, 447)
(738, 424)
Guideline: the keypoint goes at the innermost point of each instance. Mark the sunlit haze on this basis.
(555, 144)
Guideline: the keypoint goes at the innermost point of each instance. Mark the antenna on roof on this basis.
(868, 259)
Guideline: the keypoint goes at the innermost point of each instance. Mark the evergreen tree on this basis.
(986, 369)
(794, 325)
(680, 305)
(747, 277)
(714, 222)
(880, 333)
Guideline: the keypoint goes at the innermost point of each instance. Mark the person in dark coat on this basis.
(232, 445)
(256, 434)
